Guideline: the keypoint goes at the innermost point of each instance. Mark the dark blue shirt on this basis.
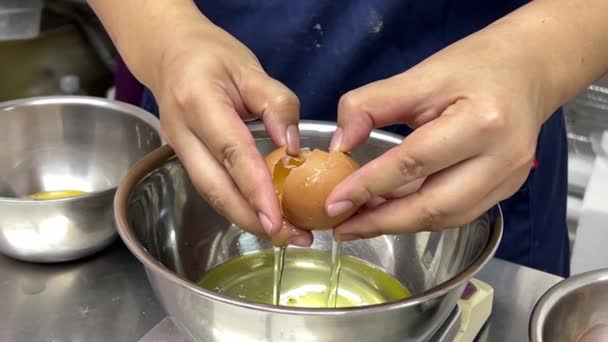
(321, 49)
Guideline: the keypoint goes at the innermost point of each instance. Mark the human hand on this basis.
(208, 84)
(477, 108)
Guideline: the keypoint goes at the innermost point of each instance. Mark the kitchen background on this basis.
(59, 47)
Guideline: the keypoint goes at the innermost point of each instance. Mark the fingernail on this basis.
(339, 208)
(348, 237)
(266, 224)
(300, 240)
(293, 140)
(336, 140)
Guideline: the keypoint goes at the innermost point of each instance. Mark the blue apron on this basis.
(321, 49)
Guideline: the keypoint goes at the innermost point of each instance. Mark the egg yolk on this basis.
(48, 195)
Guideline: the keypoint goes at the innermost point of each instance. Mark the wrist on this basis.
(164, 40)
(157, 27)
(529, 59)
(566, 43)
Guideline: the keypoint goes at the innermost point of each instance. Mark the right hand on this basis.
(208, 84)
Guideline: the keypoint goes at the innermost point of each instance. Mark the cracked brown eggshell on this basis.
(307, 186)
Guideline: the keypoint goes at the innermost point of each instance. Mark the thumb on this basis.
(279, 108)
(404, 98)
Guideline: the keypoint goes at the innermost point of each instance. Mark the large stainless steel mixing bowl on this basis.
(178, 238)
(574, 310)
(66, 143)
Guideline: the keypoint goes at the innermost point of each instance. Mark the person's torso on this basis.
(323, 48)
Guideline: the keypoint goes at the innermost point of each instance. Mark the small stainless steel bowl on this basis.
(66, 143)
(574, 310)
(179, 237)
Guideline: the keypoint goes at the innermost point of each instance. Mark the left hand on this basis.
(477, 108)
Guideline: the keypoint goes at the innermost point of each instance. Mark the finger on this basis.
(402, 191)
(276, 105)
(409, 98)
(215, 122)
(213, 183)
(432, 147)
(406, 189)
(290, 235)
(440, 203)
(505, 190)
(373, 203)
(218, 189)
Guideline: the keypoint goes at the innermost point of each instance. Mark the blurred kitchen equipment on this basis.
(69, 84)
(65, 143)
(589, 250)
(575, 309)
(81, 16)
(178, 237)
(71, 42)
(586, 121)
(19, 19)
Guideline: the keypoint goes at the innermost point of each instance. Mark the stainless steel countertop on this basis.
(516, 291)
(107, 298)
(103, 298)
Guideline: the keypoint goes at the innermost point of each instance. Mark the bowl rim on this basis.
(555, 293)
(119, 106)
(165, 154)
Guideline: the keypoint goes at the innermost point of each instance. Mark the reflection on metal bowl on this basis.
(178, 238)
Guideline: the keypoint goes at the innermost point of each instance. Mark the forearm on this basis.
(567, 39)
(143, 30)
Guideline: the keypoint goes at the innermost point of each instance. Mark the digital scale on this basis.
(463, 324)
(469, 316)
